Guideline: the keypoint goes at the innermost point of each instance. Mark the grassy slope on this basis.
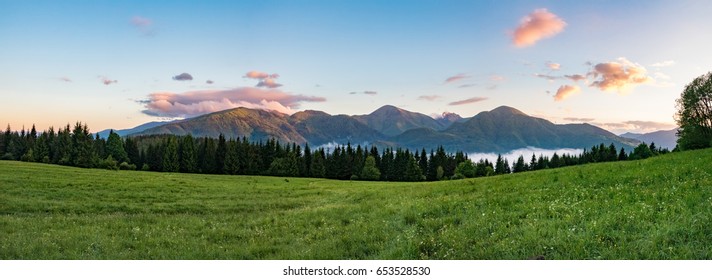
(659, 208)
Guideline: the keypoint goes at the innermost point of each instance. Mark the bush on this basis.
(126, 166)
(109, 163)
(145, 167)
(7, 156)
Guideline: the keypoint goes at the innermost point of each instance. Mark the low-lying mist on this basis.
(527, 152)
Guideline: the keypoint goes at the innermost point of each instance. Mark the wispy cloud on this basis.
(194, 103)
(635, 126)
(583, 120)
(575, 77)
(430, 97)
(538, 25)
(210, 82)
(65, 79)
(264, 79)
(456, 78)
(553, 66)
(467, 101)
(367, 92)
(183, 77)
(618, 75)
(665, 63)
(143, 25)
(107, 81)
(467, 85)
(566, 91)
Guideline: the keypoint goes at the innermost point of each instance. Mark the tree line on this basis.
(76, 146)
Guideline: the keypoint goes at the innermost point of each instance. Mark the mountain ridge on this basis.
(499, 130)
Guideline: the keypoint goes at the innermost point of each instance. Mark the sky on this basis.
(619, 65)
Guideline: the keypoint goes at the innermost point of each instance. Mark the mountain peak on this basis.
(506, 110)
(388, 109)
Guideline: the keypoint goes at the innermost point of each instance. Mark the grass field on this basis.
(660, 208)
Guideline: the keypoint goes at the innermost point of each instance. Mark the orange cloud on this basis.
(194, 103)
(620, 75)
(565, 91)
(553, 66)
(538, 25)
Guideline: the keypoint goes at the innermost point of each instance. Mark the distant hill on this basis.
(256, 125)
(392, 121)
(505, 129)
(662, 138)
(500, 130)
(320, 128)
(123, 132)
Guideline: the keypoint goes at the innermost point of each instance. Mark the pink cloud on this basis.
(456, 78)
(65, 79)
(538, 25)
(265, 79)
(468, 101)
(194, 103)
(565, 91)
(618, 75)
(106, 81)
(575, 77)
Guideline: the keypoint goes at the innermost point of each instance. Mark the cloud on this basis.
(618, 75)
(194, 103)
(268, 83)
(467, 85)
(468, 101)
(144, 25)
(456, 78)
(584, 120)
(575, 77)
(106, 81)
(553, 66)
(429, 97)
(183, 77)
(367, 92)
(538, 25)
(497, 78)
(636, 126)
(265, 79)
(565, 91)
(65, 79)
(210, 82)
(663, 63)
(547, 77)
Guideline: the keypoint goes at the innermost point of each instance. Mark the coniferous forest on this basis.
(76, 146)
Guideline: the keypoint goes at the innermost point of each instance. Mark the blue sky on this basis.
(112, 64)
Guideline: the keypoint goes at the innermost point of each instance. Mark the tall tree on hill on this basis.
(188, 159)
(694, 114)
(170, 155)
(83, 153)
(115, 147)
(232, 161)
(622, 155)
(307, 158)
(220, 154)
(317, 168)
(423, 161)
(519, 165)
(132, 152)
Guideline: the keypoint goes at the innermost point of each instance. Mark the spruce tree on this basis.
(188, 159)
(170, 155)
(115, 147)
(232, 162)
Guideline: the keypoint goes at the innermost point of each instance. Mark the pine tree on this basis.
(622, 155)
(132, 152)
(412, 170)
(370, 171)
(170, 155)
(83, 153)
(220, 154)
(232, 161)
(115, 147)
(519, 166)
(317, 169)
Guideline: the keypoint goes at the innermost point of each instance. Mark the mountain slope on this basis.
(662, 138)
(320, 128)
(123, 132)
(392, 121)
(505, 129)
(256, 125)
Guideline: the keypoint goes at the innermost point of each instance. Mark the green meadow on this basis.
(659, 208)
